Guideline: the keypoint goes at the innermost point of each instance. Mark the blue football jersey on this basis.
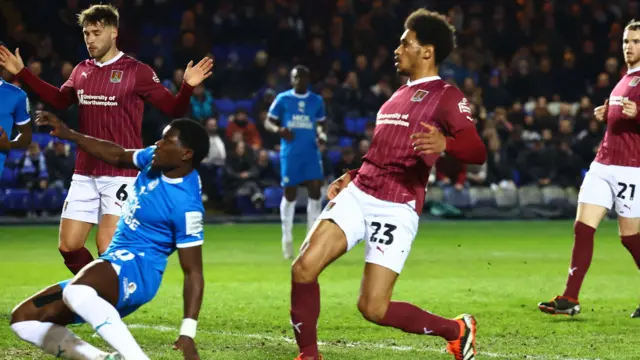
(161, 214)
(14, 109)
(300, 114)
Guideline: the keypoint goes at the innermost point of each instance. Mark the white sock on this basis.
(314, 207)
(104, 318)
(287, 212)
(56, 340)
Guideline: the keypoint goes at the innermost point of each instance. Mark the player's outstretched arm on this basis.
(58, 98)
(191, 263)
(21, 141)
(149, 87)
(104, 150)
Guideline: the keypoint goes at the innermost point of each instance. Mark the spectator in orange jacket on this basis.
(240, 123)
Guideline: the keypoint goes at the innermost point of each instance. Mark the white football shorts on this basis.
(387, 228)
(90, 197)
(606, 185)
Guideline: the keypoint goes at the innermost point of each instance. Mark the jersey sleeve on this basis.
(276, 110)
(21, 114)
(320, 113)
(142, 157)
(149, 88)
(60, 98)
(455, 113)
(455, 118)
(189, 227)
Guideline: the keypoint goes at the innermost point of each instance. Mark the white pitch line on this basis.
(351, 344)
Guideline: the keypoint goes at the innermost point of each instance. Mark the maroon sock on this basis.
(410, 318)
(305, 310)
(632, 243)
(77, 259)
(580, 258)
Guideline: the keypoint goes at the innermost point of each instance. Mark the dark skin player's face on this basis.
(410, 55)
(170, 154)
(299, 80)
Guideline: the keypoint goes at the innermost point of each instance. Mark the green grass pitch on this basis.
(497, 271)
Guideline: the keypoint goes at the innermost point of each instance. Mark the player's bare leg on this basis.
(287, 213)
(588, 219)
(324, 244)
(628, 230)
(106, 229)
(376, 306)
(93, 295)
(41, 320)
(314, 203)
(71, 243)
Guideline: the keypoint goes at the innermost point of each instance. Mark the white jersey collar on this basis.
(114, 59)
(422, 80)
(171, 180)
(300, 96)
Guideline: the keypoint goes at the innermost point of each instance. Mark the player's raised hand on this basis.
(337, 185)
(5, 144)
(194, 75)
(600, 112)
(60, 130)
(188, 348)
(12, 62)
(432, 142)
(629, 108)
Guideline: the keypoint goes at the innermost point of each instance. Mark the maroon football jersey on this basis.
(110, 98)
(621, 143)
(392, 170)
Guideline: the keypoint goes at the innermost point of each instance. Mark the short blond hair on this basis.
(106, 15)
(633, 25)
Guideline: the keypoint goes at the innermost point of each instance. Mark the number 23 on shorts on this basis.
(386, 237)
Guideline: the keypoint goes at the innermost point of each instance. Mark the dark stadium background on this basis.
(533, 71)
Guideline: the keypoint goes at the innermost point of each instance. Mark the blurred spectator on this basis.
(60, 164)
(451, 175)
(241, 177)
(348, 161)
(451, 172)
(588, 142)
(363, 147)
(239, 123)
(267, 174)
(214, 161)
(568, 166)
(32, 172)
(537, 164)
(327, 165)
(201, 103)
(498, 170)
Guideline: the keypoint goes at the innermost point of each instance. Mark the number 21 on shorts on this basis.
(623, 193)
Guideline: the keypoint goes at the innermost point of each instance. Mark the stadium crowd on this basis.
(532, 70)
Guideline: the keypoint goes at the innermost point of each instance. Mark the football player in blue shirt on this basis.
(295, 115)
(163, 214)
(14, 110)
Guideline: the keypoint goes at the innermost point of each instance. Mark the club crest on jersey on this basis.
(419, 95)
(116, 76)
(634, 81)
(301, 106)
(463, 106)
